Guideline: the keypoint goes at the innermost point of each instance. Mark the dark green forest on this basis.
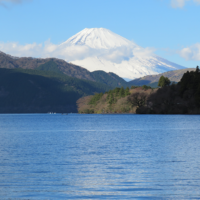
(26, 90)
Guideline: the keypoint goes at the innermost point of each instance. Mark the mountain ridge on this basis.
(10, 62)
(174, 76)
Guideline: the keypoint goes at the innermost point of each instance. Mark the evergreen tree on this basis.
(111, 100)
(163, 81)
(95, 98)
(122, 92)
(116, 91)
(197, 69)
(133, 87)
(127, 91)
(145, 87)
(108, 96)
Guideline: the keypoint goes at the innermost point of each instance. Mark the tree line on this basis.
(171, 98)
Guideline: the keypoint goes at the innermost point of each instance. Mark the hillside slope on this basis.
(110, 79)
(60, 66)
(25, 91)
(113, 101)
(10, 62)
(174, 76)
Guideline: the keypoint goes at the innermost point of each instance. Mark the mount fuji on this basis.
(101, 49)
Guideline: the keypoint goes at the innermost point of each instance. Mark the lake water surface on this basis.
(74, 156)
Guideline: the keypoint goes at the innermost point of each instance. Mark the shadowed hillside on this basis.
(25, 91)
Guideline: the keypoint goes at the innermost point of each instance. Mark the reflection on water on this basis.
(99, 156)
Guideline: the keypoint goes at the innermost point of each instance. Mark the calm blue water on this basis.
(99, 156)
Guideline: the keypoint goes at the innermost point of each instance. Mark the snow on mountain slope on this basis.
(101, 49)
(131, 69)
(98, 38)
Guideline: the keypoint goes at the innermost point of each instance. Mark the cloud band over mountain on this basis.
(74, 52)
(98, 49)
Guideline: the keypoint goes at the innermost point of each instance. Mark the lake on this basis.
(74, 156)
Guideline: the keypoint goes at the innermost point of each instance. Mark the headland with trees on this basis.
(170, 98)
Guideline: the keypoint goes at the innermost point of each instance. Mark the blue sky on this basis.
(171, 27)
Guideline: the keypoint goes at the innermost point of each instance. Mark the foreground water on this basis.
(99, 156)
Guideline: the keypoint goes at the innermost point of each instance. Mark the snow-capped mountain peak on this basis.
(101, 49)
(98, 38)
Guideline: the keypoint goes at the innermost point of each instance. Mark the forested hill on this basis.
(32, 91)
(176, 98)
(118, 100)
(61, 66)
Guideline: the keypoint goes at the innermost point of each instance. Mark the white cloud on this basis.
(178, 3)
(181, 3)
(14, 48)
(191, 53)
(74, 52)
